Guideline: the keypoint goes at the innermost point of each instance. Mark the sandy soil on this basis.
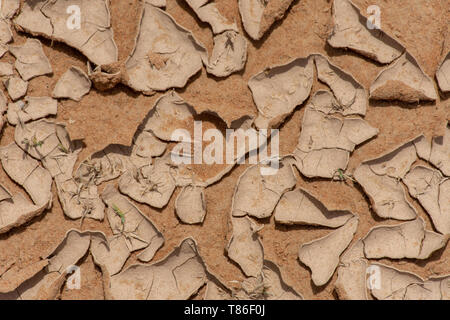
(102, 118)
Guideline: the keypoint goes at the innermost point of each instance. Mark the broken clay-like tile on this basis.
(257, 194)
(16, 87)
(60, 162)
(178, 276)
(169, 113)
(325, 142)
(6, 69)
(278, 90)
(403, 80)
(350, 31)
(147, 145)
(6, 35)
(391, 283)
(165, 54)
(207, 12)
(322, 255)
(380, 179)
(40, 138)
(350, 94)
(30, 109)
(394, 284)
(276, 288)
(268, 285)
(440, 151)
(245, 247)
(73, 84)
(28, 173)
(14, 277)
(110, 253)
(406, 240)
(31, 60)
(152, 184)
(104, 165)
(230, 48)
(128, 221)
(15, 210)
(71, 249)
(42, 286)
(80, 201)
(84, 25)
(46, 285)
(229, 54)
(351, 280)
(190, 205)
(300, 207)
(259, 15)
(443, 74)
(433, 192)
(325, 102)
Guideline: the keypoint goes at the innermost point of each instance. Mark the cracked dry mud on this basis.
(87, 176)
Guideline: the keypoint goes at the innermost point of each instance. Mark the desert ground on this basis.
(112, 116)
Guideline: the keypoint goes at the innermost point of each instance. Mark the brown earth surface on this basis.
(102, 118)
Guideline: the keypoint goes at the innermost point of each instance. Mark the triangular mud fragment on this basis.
(404, 80)
(322, 255)
(73, 84)
(300, 207)
(350, 32)
(259, 15)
